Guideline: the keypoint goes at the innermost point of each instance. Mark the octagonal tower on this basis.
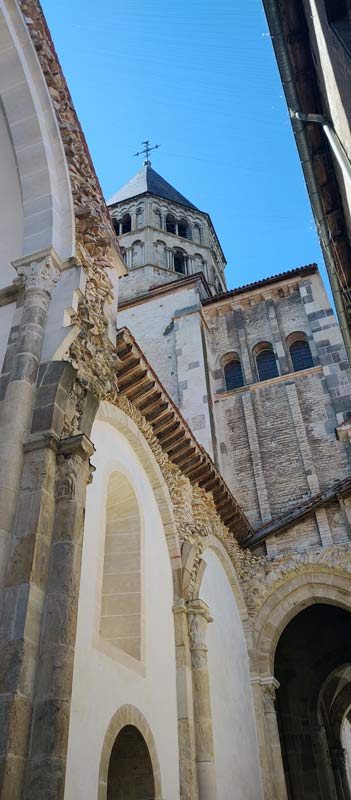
(163, 236)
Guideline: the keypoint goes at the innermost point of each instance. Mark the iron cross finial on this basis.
(146, 152)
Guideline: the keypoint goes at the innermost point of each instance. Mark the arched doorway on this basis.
(311, 665)
(130, 773)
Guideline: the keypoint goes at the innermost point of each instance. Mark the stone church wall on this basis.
(276, 438)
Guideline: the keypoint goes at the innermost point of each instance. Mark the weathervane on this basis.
(146, 152)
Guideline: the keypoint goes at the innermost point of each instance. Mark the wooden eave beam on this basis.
(153, 416)
(148, 406)
(140, 399)
(166, 420)
(174, 441)
(169, 433)
(182, 447)
(128, 372)
(132, 387)
(192, 455)
(195, 472)
(147, 389)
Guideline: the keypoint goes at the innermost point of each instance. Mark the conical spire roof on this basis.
(147, 180)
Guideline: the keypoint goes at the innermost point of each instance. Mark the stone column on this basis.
(338, 761)
(271, 756)
(21, 608)
(206, 771)
(46, 768)
(39, 277)
(186, 725)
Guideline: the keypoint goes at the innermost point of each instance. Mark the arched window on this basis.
(184, 229)
(140, 217)
(197, 233)
(137, 252)
(120, 621)
(265, 361)
(157, 218)
(123, 225)
(171, 225)
(233, 374)
(300, 353)
(180, 262)
(160, 253)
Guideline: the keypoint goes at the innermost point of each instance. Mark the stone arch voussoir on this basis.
(128, 715)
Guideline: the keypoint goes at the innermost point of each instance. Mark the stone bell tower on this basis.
(163, 236)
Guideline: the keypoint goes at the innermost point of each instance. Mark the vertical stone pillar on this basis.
(271, 757)
(186, 726)
(338, 761)
(45, 775)
(39, 278)
(206, 771)
(21, 608)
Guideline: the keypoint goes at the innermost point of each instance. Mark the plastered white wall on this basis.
(106, 679)
(233, 718)
(11, 214)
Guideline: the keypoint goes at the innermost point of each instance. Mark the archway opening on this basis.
(130, 773)
(311, 666)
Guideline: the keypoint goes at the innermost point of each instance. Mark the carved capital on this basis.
(199, 616)
(72, 452)
(40, 272)
(269, 693)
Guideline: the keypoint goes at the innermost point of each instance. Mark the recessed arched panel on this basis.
(120, 621)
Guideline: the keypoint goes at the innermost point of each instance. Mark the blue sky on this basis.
(200, 79)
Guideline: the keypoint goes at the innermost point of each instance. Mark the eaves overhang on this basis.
(139, 383)
(299, 272)
(299, 512)
(294, 54)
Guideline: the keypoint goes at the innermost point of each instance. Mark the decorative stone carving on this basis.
(198, 618)
(66, 476)
(73, 415)
(261, 577)
(269, 693)
(41, 274)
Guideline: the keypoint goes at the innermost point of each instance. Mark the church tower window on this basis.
(197, 233)
(266, 362)
(300, 353)
(184, 229)
(171, 225)
(123, 225)
(180, 262)
(233, 374)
